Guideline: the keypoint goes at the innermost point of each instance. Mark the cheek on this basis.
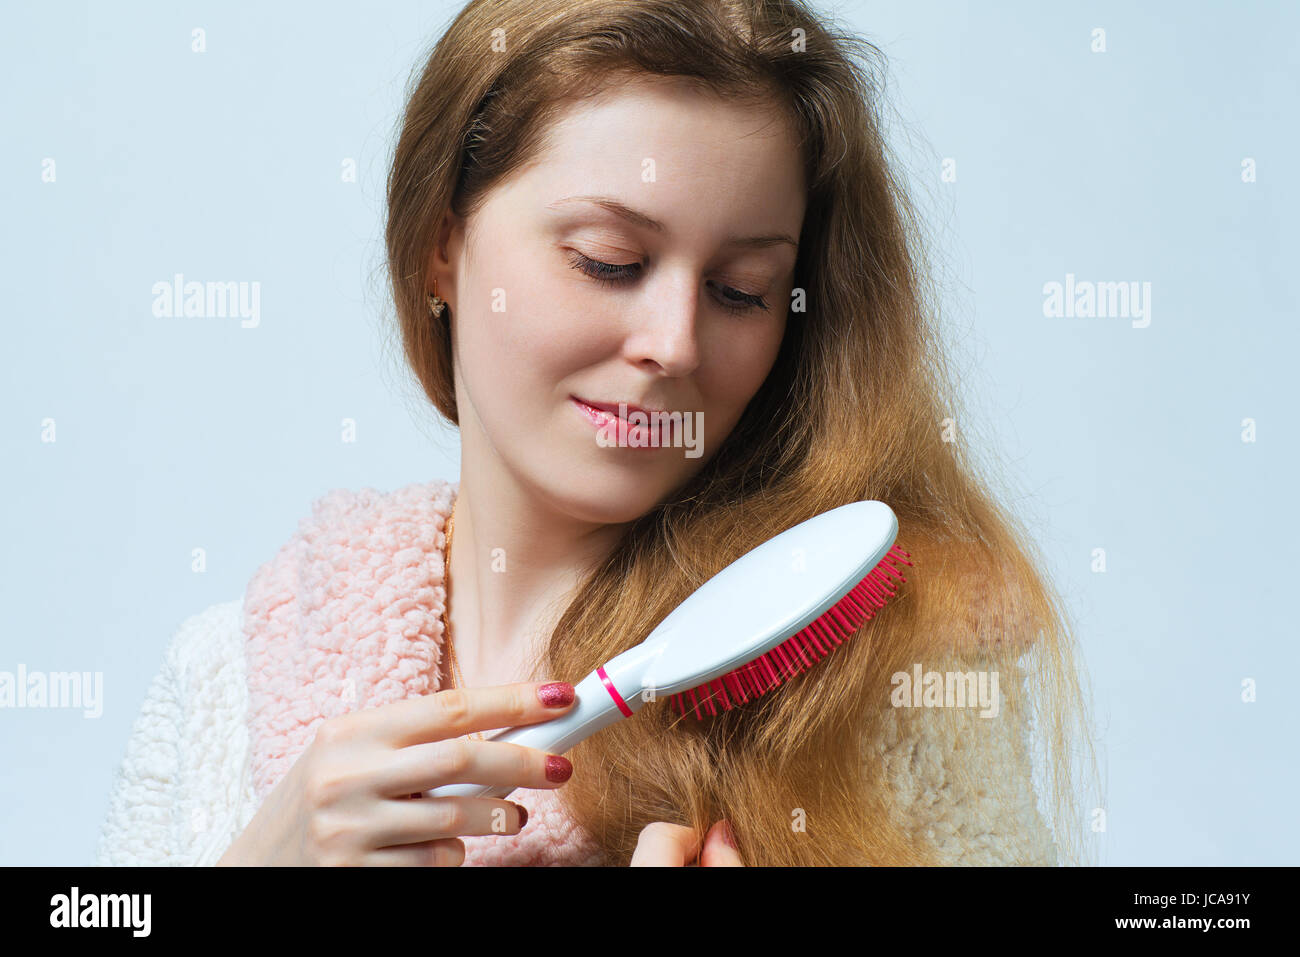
(524, 337)
(743, 364)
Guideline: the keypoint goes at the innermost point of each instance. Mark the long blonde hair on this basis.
(851, 410)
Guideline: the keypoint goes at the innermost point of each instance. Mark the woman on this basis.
(681, 207)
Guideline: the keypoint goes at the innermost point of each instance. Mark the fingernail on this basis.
(558, 769)
(523, 814)
(557, 694)
(728, 836)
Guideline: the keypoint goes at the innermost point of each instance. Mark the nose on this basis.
(665, 338)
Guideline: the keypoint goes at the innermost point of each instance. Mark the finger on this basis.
(717, 852)
(423, 767)
(434, 819)
(665, 845)
(460, 711)
(449, 852)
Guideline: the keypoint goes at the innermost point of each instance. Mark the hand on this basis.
(671, 845)
(348, 799)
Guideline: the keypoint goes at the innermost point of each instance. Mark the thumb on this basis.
(717, 852)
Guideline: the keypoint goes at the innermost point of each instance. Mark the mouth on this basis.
(608, 416)
(613, 407)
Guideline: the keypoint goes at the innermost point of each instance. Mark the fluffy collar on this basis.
(348, 615)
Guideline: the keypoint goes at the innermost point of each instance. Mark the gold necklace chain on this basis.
(457, 678)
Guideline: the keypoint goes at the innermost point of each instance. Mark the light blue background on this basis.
(182, 433)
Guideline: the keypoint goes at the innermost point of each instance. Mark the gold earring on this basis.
(435, 304)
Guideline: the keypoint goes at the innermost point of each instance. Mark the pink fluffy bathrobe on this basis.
(347, 615)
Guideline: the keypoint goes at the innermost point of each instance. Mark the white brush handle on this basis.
(738, 615)
(594, 708)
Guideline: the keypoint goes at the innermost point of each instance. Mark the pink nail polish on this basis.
(557, 694)
(728, 836)
(523, 814)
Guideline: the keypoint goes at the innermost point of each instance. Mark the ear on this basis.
(445, 255)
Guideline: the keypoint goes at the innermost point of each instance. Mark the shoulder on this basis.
(350, 537)
(970, 599)
(205, 643)
(342, 522)
(370, 507)
(203, 657)
(964, 778)
(206, 660)
(186, 743)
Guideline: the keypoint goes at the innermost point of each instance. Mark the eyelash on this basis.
(597, 270)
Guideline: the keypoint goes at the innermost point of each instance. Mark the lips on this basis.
(605, 416)
(612, 407)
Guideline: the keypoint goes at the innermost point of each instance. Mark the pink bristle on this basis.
(800, 651)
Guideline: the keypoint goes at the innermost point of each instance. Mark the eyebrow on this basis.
(638, 218)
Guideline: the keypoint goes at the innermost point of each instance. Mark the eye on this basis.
(730, 299)
(738, 301)
(604, 272)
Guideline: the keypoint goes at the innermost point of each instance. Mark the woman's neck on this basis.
(514, 567)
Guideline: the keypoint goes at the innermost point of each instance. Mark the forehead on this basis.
(689, 156)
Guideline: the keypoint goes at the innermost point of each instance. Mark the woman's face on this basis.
(677, 304)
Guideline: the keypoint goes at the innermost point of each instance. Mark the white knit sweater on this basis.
(183, 793)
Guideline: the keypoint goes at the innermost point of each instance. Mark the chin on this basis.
(606, 496)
